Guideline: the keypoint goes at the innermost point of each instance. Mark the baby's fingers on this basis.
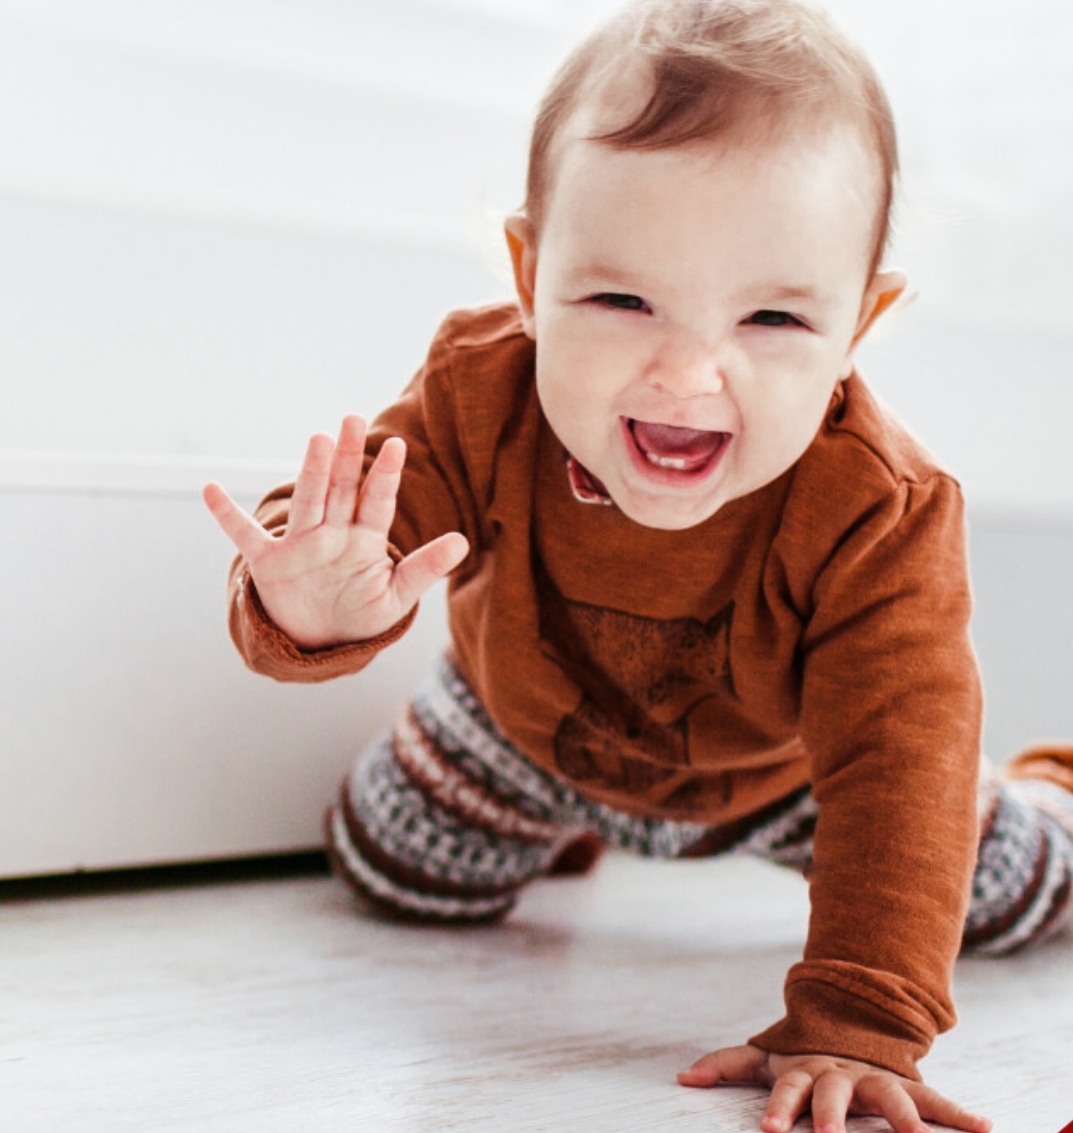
(887, 1096)
(832, 1094)
(932, 1106)
(242, 529)
(428, 564)
(345, 472)
(376, 508)
(311, 487)
(907, 1105)
(791, 1095)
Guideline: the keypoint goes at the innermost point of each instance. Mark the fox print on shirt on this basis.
(642, 678)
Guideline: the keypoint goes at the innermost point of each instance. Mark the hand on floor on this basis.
(831, 1088)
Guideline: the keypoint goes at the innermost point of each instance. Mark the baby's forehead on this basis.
(839, 138)
(842, 140)
(797, 202)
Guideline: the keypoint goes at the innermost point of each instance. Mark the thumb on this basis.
(731, 1064)
(427, 565)
(243, 530)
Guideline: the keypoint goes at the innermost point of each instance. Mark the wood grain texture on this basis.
(280, 1006)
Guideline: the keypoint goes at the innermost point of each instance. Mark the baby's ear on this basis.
(521, 240)
(886, 288)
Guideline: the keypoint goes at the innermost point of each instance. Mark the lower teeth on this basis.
(677, 463)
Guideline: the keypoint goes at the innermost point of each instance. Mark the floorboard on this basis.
(276, 1006)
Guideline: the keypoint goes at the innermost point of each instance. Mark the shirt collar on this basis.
(586, 488)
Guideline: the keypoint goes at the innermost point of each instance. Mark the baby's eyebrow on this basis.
(788, 293)
(607, 272)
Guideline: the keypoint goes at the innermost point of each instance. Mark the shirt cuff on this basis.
(269, 650)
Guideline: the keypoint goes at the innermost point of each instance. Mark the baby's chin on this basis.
(666, 515)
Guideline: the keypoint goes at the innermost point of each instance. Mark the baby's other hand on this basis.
(329, 578)
(832, 1088)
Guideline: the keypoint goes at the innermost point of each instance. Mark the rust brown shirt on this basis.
(815, 631)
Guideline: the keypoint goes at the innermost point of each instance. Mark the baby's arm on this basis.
(890, 716)
(329, 579)
(832, 1088)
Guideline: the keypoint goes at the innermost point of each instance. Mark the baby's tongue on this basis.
(685, 448)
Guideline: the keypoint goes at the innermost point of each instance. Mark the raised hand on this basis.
(329, 579)
(831, 1088)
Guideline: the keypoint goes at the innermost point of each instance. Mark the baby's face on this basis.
(694, 309)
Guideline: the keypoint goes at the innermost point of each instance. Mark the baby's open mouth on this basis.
(675, 448)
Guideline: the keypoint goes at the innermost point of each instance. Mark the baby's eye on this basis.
(773, 319)
(620, 302)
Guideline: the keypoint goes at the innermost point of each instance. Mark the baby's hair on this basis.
(711, 67)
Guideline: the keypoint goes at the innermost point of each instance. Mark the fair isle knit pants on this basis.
(445, 820)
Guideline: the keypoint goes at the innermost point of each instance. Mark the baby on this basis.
(705, 595)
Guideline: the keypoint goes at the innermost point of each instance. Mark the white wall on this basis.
(227, 223)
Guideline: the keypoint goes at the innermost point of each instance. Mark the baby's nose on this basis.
(688, 370)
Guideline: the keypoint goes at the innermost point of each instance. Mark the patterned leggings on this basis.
(446, 820)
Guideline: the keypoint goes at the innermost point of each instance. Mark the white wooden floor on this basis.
(273, 1006)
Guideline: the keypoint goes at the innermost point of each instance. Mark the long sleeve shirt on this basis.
(812, 632)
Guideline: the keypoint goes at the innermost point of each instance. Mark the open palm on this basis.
(329, 578)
